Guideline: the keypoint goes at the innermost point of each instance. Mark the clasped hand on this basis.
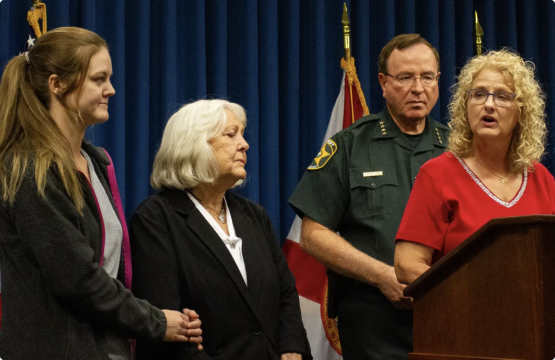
(393, 290)
(183, 326)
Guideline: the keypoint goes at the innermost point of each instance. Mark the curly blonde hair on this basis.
(529, 135)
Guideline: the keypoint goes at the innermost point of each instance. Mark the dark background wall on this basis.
(280, 59)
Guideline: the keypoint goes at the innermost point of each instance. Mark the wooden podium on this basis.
(493, 297)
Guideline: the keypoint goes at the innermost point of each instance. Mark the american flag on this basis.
(30, 41)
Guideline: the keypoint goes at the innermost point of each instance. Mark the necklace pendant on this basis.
(503, 180)
(221, 217)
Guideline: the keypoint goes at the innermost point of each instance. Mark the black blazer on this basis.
(58, 303)
(179, 262)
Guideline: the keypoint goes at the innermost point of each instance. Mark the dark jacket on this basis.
(179, 261)
(57, 301)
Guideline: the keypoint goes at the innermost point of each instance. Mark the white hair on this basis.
(186, 158)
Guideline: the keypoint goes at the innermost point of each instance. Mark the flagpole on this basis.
(346, 33)
(347, 45)
(310, 275)
(478, 32)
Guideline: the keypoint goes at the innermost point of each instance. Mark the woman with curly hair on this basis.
(490, 169)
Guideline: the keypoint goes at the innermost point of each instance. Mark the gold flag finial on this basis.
(37, 12)
(346, 33)
(478, 32)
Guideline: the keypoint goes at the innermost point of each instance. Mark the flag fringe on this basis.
(351, 71)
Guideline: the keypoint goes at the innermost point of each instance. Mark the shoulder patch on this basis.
(324, 155)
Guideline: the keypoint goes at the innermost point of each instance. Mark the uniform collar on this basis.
(432, 136)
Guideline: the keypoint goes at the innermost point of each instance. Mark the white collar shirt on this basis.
(231, 241)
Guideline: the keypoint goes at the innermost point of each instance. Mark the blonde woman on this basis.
(65, 253)
(491, 167)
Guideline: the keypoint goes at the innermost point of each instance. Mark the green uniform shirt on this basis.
(361, 181)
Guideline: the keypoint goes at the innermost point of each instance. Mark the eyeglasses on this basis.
(408, 79)
(479, 97)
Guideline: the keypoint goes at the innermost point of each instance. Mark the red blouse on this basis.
(448, 203)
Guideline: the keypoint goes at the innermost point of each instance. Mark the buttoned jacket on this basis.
(179, 262)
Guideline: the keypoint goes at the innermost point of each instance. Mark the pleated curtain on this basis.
(280, 59)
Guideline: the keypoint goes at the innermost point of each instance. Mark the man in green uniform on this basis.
(353, 195)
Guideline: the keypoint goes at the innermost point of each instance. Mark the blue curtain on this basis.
(279, 59)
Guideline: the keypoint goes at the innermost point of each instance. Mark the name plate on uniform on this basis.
(372, 173)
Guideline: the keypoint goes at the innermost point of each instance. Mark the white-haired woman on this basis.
(491, 167)
(196, 243)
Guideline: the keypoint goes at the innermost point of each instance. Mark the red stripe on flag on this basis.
(310, 275)
(357, 105)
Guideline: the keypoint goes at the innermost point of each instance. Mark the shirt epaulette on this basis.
(441, 126)
(365, 119)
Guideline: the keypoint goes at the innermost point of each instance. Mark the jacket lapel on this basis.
(244, 229)
(208, 236)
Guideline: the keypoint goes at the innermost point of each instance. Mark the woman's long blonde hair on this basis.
(529, 135)
(29, 136)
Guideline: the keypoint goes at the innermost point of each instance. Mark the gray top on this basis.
(113, 233)
(118, 348)
(57, 301)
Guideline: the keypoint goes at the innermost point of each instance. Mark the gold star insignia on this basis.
(438, 136)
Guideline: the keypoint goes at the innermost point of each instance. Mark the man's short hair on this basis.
(401, 42)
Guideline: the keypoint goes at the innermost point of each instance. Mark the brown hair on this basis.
(401, 42)
(28, 133)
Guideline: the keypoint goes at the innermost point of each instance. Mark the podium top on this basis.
(469, 248)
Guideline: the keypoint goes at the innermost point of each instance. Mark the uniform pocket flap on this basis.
(372, 178)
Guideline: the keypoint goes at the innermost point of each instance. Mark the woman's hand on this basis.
(291, 356)
(194, 331)
(183, 326)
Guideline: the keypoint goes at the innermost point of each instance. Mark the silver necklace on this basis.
(221, 217)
